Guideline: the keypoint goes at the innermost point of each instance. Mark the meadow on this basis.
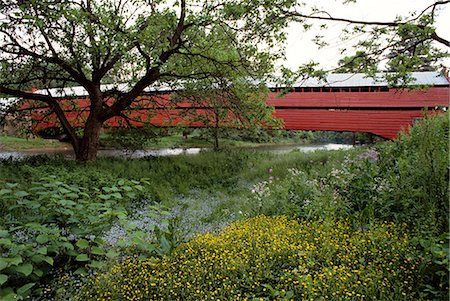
(365, 224)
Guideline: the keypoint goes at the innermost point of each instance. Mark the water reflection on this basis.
(277, 149)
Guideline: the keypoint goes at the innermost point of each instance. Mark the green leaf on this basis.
(97, 251)
(112, 254)
(72, 195)
(82, 243)
(3, 279)
(42, 250)
(25, 269)
(5, 191)
(80, 271)
(15, 260)
(38, 258)
(25, 288)
(5, 242)
(97, 264)
(82, 257)
(117, 195)
(10, 297)
(3, 264)
(42, 239)
(38, 272)
(49, 260)
(4, 233)
(67, 245)
(104, 196)
(21, 194)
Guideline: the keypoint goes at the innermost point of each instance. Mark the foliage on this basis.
(272, 259)
(53, 224)
(405, 181)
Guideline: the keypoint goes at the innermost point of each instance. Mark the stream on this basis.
(277, 149)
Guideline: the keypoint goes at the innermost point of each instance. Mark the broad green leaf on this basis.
(64, 190)
(25, 288)
(42, 239)
(3, 264)
(82, 257)
(15, 260)
(117, 195)
(38, 258)
(3, 279)
(10, 297)
(97, 264)
(38, 272)
(72, 195)
(104, 196)
(80, 271)
(112, 254)
(49, 260)
(97, 251)
(26, 269)
(42, 250)
(5, 242)
(82, 243)
(5, 191)
(4, 233)
(67, 245)
(21, 194)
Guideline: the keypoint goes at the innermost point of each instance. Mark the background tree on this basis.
(136, 42)
(408, 43)
(222, 103)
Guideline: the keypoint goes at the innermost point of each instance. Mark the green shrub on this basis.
(52, 224)
(272, 259)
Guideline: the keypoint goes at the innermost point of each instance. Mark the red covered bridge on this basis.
(344, 102)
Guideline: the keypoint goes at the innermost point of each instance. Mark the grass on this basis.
(9, 143)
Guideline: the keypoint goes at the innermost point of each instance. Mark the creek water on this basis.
(277, 149)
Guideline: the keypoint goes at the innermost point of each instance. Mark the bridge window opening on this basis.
(306, 89)
(374, 89)
(354, 89)
(364, 89)
(316, 89)
(345, 89)
(335, 90)
(384, 89)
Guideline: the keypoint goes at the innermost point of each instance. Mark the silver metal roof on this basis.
(332, 80)
(362, 80)
(81, 91)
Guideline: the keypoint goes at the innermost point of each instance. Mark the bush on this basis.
(272, 258)
(53, 225)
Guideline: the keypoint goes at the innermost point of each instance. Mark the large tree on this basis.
(139, 43)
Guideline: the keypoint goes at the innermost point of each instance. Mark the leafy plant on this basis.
(54, 224)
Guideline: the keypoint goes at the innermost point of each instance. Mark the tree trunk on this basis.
(216, 132)
(88, 145)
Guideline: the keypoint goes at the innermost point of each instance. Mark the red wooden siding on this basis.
(384, 113)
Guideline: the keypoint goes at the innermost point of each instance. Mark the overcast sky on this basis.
(300, 49)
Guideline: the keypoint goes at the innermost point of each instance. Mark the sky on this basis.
(300, 49)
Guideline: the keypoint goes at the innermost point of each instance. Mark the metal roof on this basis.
(81, 91)
(362, 80)
(332, 80)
